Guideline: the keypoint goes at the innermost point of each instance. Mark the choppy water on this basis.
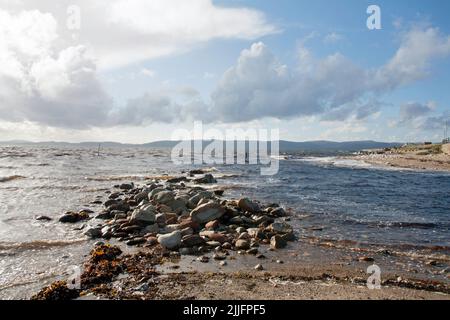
(347, 200)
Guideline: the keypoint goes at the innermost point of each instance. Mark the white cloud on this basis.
(418, 49)
(42, 84)
(421, 117)
(123, 32)
(148, 72)
(332, 37)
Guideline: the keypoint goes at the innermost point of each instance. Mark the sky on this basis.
(135, 71)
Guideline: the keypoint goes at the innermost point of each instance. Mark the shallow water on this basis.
(336, 200)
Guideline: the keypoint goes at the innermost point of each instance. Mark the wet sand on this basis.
(314, 272)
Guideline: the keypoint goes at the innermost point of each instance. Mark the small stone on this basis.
(207, 178)
(207, 212)
(136, 241)
(366, 259)
(277, 242)
(43, 218)
(244, 236)
(240, 230)
(151, 241)
(248, 205)
(259, 267)
(126, 186)
(253, 251)
(186, 251)
(222, 263)
(213, 243)
(280, 261)
(152, 228)
(93, 233)
(260, 256)
(227, 246)
(187, 231)
(144, 215)
(72, 217)
(203, 259)
(280, 227)
(192, 240)
(212, 225)
(242, 244)
(219, 256)
(214, 236)
(170, 240)
(278, 212)
(219, 192)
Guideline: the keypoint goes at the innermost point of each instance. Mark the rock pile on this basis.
(187, 219)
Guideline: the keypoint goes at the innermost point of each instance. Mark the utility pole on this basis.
(446, 137)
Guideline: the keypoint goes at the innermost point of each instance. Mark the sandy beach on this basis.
(422, 157)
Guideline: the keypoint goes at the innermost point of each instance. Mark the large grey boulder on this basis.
(170, 240)
(207, 212)
(144, 215)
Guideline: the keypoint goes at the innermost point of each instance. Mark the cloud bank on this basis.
(332, 88)
(48, 80)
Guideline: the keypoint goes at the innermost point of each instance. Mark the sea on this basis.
(335, 200)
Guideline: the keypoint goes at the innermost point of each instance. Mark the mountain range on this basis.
(285, 146)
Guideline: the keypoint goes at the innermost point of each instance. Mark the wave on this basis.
(38, 244)
(408, 250)
(398, 224)
(128, 178)
(11, 178)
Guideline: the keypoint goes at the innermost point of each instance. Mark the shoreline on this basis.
(131, 260)
(420, 157)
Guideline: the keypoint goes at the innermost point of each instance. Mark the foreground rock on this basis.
(207, 212)
(73, 217)
(171, 240)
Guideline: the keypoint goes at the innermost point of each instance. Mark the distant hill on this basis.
(285, 146)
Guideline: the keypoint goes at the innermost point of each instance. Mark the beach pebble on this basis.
(136, 241)
(126, 186)
(72, 217)
(278, 212)
(203, 259)
(207, 178)
(192, 240)
(170, 240)
(277, 242)
(212, 225)
(43, 218)
(253, 251)
(144, 215)
(217, 256)
(280, 227)
(242, 244)
(152, 228)
(248, 205)
(259, 267)
(366, 259)
(93, 233)
(207, 212)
